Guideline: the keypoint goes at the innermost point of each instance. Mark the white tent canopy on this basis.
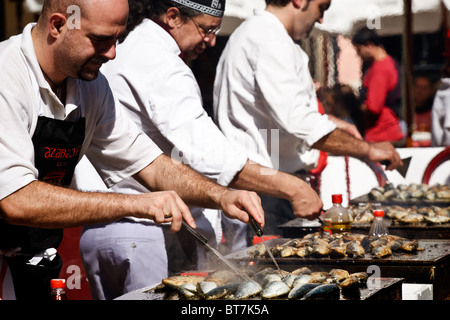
(346, 16)
(343, 17)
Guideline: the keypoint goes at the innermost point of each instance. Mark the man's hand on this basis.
(384, 151)
(239, 204)
(164, 207)
(306, 203)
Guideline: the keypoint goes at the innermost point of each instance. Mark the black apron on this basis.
(57, 146)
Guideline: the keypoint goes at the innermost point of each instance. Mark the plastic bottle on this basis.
(336, 219)
(378, 227)
(58, 291)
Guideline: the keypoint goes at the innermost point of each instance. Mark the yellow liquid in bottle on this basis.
(330, 227)
(340, 227)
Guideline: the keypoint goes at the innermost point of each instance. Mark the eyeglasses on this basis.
(205, 31)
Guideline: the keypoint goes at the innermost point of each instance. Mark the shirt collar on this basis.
(30, 55)
(273, 20)
(171, 39)
(27, 47)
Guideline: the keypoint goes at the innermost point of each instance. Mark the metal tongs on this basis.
(202, 239)
(258, 230)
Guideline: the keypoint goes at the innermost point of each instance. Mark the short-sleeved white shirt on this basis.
(160, 93)
(440, 115)
(115, 146)
(264, 97)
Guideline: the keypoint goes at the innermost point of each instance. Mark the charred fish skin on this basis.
(258, 251)
(188, 291)
(288, 251)
(437, 219)
(395, 245)
(275, 289)
(270, 277)
(355, 250)
(324, 292)
(303, 251)
(409, 246)
(319, 277)
(377, 194)
(381, 251)
(412, 218)
(247, 289)
(349, 283)
(301, 289)
(338, 248)
(289, 279)
(222, 291)
(204, 287)
(301, 279)
(300, 271)
(321, 248)
(361, 277)
(339, 275)
(175, 282)
(259, 277)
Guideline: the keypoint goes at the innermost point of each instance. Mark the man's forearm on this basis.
(43, 205)
(305, 202)
(266, 181)
(195, 189)
(341, 143)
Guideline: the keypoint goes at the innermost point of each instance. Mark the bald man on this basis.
(57, 107)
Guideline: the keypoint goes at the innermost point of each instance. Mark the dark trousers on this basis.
(276, 212)
(32, 283)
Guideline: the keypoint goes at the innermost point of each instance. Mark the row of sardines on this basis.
(411, 192)
(265, 284)
(411, 215)
(340, 245)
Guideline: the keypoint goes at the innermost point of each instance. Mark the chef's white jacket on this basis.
(264, 97)
(440, 116)
(112, 142)
(160, 93)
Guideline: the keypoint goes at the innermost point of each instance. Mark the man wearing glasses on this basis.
(154, 85)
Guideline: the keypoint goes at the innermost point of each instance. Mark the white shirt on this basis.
(112, 142)
(264, 96)
(161, 94)
(440, 116)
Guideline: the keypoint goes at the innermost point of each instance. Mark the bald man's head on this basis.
(75, 37)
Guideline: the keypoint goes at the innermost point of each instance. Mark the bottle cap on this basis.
(57, 283)
(336, 198)
(378, 213)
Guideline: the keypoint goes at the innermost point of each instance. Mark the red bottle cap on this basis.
(378, 213)
(57, 283)
(336, 198)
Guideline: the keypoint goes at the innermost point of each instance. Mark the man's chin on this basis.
(190, 56)
(88, 76)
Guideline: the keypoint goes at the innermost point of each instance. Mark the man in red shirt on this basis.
(381, 89)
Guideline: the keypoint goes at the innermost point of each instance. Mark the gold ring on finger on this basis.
(167, 215)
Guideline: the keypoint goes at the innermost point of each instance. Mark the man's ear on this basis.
(173, 18)
(56, 23)
(300, 4)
